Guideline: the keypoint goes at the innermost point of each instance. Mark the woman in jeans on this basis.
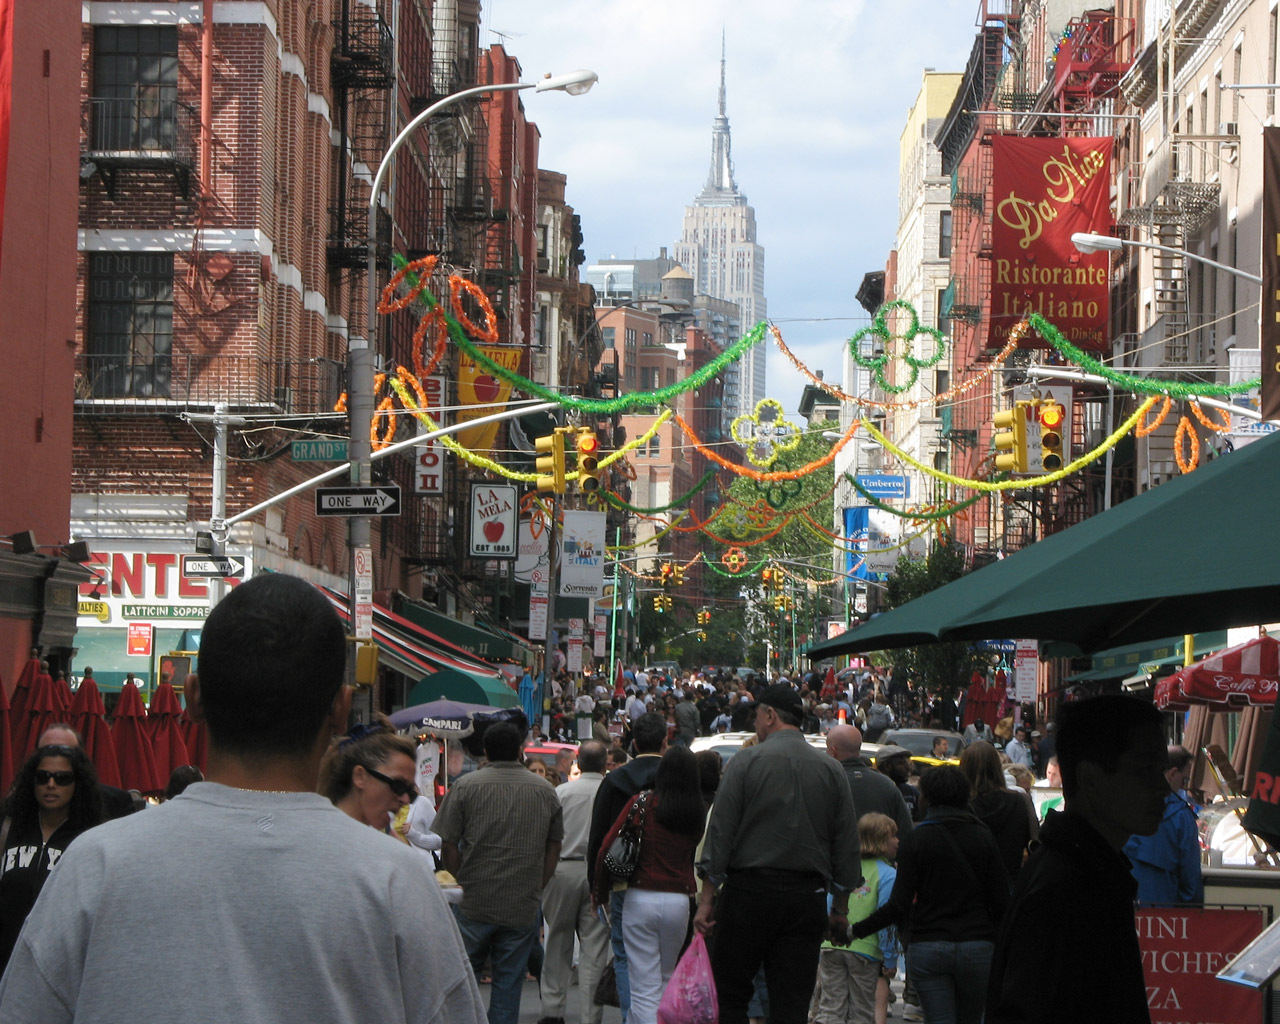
(952, 889)
(657, 914)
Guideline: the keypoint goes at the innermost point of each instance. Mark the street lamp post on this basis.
(1087, 243)
(360, 351)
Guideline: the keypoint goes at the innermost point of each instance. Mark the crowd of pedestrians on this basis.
(815, 877)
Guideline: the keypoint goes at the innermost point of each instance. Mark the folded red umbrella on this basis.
(41, 712)
(196, 737)
(133, 745)
(89, 717)
(21, 695)
(163, 723)
(6, 743)
(62, 693)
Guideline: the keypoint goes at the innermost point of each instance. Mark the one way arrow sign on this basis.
(358, 501)
(212, 567)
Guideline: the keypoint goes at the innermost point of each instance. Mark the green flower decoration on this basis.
(780, 493)
(880, 330)
(765, 433)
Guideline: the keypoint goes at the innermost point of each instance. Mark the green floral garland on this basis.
(903, 513)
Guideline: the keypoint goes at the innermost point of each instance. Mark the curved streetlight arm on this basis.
(1090, 243)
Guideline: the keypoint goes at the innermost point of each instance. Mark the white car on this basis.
(726, 744)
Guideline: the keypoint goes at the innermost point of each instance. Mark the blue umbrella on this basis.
(450, 719)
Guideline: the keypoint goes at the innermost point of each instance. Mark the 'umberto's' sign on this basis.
(1043, 190)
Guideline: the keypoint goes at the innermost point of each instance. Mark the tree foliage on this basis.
(942, 669)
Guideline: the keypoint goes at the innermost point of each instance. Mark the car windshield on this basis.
(921, 743)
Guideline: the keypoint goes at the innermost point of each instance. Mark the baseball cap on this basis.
(890, 750)
(784, 698)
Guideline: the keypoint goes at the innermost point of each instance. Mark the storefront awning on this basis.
(1147, 658)
(418, 653)
(476, 639)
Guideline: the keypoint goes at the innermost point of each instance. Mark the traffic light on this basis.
(678, 575)
(590, 475)
(659, 604)
(779, 603)
(1011, 443)
(1053, 422)
(702, 636)
(665, 574)
(550, 462)
(768, 577)
(667, 603)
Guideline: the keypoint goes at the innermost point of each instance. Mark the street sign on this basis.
(885, 486)
(138, 639)
(358, 501)
(212, 567)
(319, 449)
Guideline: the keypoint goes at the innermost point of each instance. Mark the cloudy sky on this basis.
(818, 92)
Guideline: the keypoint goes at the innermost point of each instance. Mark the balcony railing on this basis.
(142, 129)
(114, 385)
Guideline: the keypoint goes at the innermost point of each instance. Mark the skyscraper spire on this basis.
(721, 177)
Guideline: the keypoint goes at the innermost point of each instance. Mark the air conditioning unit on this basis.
(1229, 128)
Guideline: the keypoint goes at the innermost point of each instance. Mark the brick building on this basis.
(225, 267)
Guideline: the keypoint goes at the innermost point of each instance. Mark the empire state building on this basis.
(718, 247)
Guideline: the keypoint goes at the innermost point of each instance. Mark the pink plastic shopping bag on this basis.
(690, 997)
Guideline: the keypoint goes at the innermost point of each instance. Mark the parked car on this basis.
(547, 751)
(726, 744)
(670, 669)
(920, 743)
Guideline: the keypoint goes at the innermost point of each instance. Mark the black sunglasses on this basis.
(61, 778)
(398, 786)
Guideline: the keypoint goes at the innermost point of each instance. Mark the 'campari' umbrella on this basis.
(167, 745)
(133, 745)
(89, 717)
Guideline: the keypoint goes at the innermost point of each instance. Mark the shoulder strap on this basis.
(945, 832)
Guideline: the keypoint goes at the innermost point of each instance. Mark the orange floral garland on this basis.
(433, 321)
(757, 475)
(1184, 432)
(457, 285)
(1144, 428)
(1208, 424)
(388, 303)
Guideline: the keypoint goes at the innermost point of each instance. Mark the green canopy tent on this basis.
(449, 684)
(1197, 553)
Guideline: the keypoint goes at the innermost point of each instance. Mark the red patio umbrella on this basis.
(194, 735)
(167, 745)
(1241, 676)
(41, 712)
(6, 744)
(619, 682)
(22, 694)
(133, 745)
(89, 717)
(1168, 697)
(62, 693)
(828, 691)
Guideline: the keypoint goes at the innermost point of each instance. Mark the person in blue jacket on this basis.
(1166, 865)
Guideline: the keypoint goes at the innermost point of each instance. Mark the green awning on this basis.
(467, 689)
(479, 641)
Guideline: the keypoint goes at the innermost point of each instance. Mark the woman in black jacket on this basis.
(952, 890)
(1007, 812)
(54, 798)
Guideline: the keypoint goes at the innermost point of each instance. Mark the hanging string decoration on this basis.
(766, 433)
(883, 353)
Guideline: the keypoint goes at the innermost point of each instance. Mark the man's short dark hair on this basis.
(502, 742)
(272, 659)
(1099, 730)
(649, 732)
(945, 785)
(592, 756)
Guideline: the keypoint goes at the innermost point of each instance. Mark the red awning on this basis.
(1239, 677)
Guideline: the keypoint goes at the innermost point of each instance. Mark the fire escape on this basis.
(1177, 197)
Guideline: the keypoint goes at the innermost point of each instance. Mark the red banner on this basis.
(1182, 949)
(1043, 190)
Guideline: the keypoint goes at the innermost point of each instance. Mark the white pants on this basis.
(653, 931)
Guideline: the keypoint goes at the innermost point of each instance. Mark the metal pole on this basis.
(1106, 487)
(553, 574)
(613, 625)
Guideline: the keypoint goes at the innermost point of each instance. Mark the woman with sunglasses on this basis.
(370, 773)
(53, 799)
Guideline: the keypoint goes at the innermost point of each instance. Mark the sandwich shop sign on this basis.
(143, 583)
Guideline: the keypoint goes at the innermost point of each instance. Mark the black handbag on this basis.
(624, 852)
(606, 993)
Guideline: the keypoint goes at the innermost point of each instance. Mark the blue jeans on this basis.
(951, 979)
(508, 952)
(616, 903)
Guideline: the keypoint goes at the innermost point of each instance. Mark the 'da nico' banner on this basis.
(1043, 190)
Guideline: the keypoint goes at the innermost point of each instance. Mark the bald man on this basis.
(872, 792)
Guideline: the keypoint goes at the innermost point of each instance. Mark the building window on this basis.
(944, 322)
(654, 447)
(648, 340)
(631, 337)
(944, 234)
(130, 338)
(606, 337)
(135, 88)
(649, 378)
